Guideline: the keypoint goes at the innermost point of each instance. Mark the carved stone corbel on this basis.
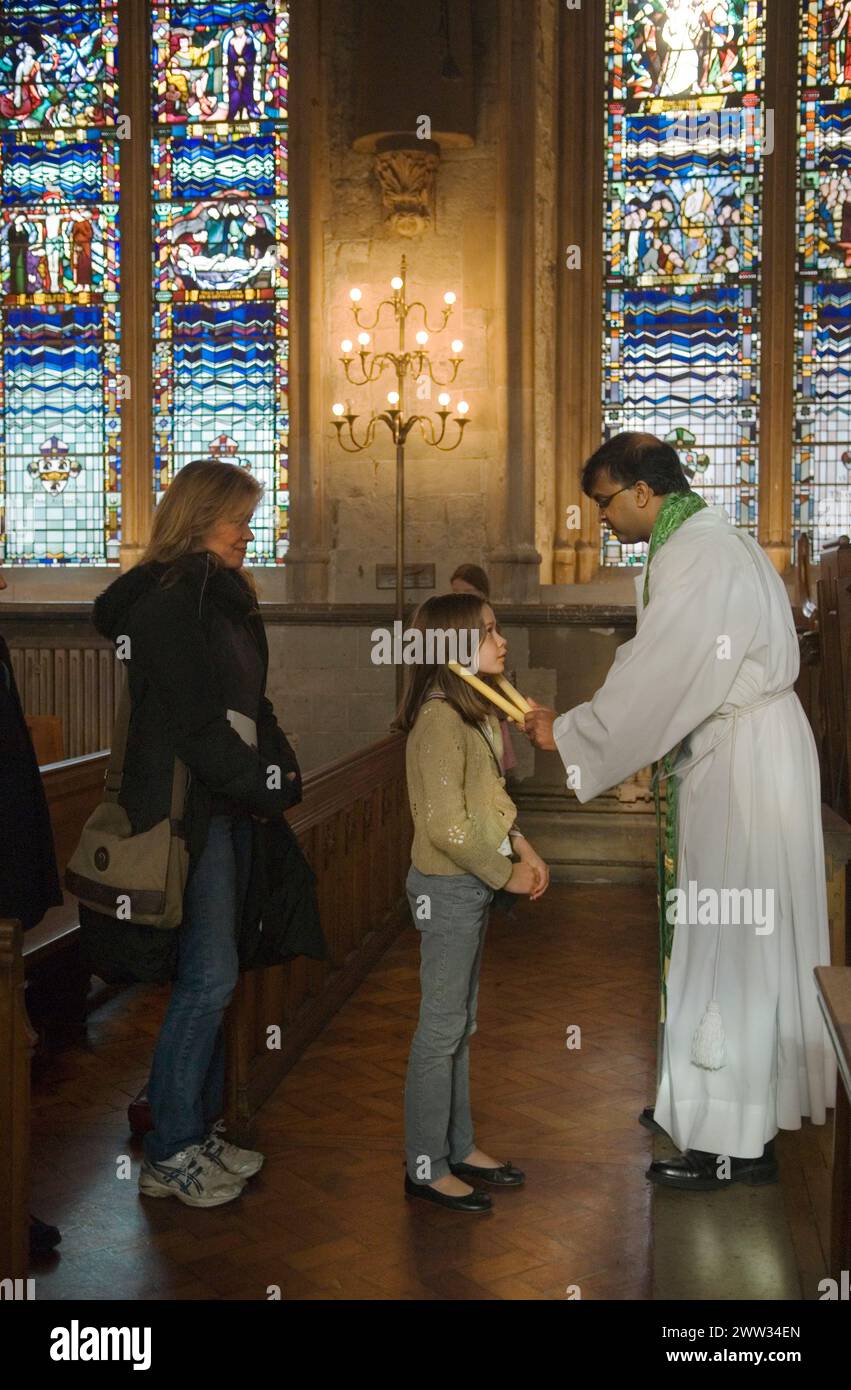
(405, 168)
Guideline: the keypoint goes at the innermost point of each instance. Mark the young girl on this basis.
(464, 835)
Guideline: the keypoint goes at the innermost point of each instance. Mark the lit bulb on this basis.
(457, 345)
(444, 398)
(337, 408)
(462, 407)
(422, 337)
(449, 297)
(355, 295)
(396, 282)
(363, 339)
(346, 345)
(393, 397)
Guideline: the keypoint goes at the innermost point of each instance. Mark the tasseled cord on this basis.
(709, 1041)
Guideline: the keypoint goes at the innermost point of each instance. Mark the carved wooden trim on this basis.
(579, 298)
(137, 500)
(777, 304)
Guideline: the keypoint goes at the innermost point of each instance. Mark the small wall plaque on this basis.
(416, 576)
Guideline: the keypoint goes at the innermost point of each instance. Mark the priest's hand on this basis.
(539, 724)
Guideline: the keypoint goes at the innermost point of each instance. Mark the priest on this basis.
(704, 692)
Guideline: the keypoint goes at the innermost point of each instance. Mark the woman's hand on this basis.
(291, 776)
(528, 855)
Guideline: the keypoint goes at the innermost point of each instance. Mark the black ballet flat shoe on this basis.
(505, 1176)
(43, 1238)
(697, 1171)
(649, 1121)
(473, 1202)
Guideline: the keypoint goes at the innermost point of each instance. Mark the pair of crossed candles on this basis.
(515, 706)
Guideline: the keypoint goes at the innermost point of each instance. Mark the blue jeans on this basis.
(186, 1086)
(438, 1122)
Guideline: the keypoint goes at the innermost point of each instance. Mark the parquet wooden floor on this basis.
(326, 1218)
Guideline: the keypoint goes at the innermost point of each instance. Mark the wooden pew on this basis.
(46, 734)
(58, 983)
(834, 993)
(834, 616)
(16, 1044)
(834, 634)
(355, 828)
(45, 963)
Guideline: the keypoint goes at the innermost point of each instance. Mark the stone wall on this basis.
(447, 515)
(444, 510)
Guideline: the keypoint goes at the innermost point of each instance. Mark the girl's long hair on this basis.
(199, 496)
(444, 611)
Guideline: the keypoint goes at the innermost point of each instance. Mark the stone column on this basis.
(513, 560)
(579, 300)
(307, 562)
(137, 485)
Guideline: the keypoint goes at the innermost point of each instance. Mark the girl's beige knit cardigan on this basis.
(460, 808)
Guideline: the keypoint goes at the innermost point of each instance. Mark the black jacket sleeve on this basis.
(277, 751)
(168, 648)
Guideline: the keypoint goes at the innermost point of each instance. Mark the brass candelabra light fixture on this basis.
(363, 365)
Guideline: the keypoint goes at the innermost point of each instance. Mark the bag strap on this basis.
(115, 768)
(179, 783)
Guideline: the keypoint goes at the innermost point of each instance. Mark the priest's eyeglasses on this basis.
(603, 502)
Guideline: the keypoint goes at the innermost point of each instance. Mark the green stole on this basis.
(676, 508)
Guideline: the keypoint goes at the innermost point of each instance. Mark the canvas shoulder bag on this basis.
(132, 878)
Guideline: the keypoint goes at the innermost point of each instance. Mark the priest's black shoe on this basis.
(648, 1119)
(474, 1201)
(697, 1171)
(504, 1176)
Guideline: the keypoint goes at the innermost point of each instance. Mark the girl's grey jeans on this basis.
(450, 912)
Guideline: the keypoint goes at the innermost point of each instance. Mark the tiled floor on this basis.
(326, 1218)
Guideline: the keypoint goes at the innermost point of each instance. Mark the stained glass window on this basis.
(59, 383)
(220, 247)
(685, 141)
(822, 454)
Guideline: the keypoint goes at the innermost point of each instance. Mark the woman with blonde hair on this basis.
(186, 618)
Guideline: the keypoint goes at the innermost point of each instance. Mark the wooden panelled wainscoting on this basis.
(355, 828)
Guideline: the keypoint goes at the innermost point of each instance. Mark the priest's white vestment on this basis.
(713, 663)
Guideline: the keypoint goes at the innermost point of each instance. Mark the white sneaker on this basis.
(230, 1158)
(191, 1178)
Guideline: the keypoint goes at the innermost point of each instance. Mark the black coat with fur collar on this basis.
(177, 705)
(177, 710)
